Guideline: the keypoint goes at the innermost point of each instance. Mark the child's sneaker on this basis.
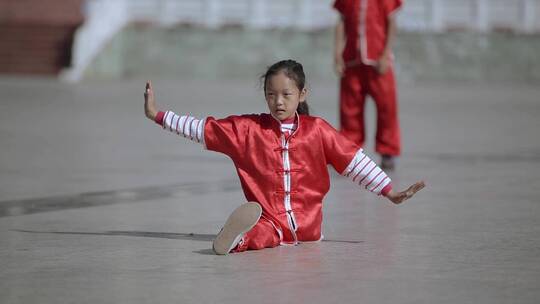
(239, 222)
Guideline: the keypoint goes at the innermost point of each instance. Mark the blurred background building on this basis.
(439, 40)
(37, 36)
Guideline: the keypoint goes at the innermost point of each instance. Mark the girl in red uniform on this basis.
(281, 159)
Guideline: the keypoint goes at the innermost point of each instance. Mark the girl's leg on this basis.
(263, 235)
(239, 222)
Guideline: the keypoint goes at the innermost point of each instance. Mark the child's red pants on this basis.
(358, 82)
(262, 235)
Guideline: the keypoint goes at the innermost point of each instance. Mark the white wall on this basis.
(104, 18)
(476, 15)
(417, 15)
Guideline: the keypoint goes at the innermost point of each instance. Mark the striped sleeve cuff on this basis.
(364, 172)
(386, 189)
(159, 118)
(186, 125)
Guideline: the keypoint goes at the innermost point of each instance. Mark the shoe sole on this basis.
(241, 220)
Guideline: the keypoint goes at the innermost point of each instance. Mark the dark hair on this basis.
(294, 71)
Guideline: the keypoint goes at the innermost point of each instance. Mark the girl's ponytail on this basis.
(303, 108)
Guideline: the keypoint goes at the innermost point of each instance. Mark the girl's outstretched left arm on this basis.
(351, 161)
(365, 172)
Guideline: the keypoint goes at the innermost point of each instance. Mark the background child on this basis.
(363, 59)
(281, 159)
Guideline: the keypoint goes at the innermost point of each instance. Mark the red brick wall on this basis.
(41, 11)
(37, 35)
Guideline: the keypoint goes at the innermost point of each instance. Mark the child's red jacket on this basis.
(264, 160)
(366, 25)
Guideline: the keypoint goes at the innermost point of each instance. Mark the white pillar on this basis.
(482, 16)
(213, 13)
(258, 14)
(103, 19)
(437, 16)
(167, 16)
(305, 14)
(528, 9)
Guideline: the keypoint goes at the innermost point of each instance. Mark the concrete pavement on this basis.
(97, 205)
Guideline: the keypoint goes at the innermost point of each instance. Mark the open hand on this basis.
(150, 109)
(400, 197)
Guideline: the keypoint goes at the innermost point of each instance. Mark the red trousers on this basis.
(358, 82)
(262, 235)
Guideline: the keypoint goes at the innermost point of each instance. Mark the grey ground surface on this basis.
(97, 205)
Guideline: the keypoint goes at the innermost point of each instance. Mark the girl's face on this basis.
(283, 96)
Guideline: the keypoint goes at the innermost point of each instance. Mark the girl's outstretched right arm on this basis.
(150, 108)
(187, 126)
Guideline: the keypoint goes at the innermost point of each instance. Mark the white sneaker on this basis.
(241, 220)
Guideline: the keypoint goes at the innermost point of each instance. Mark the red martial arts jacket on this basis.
(366, 24)
(288, 177)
